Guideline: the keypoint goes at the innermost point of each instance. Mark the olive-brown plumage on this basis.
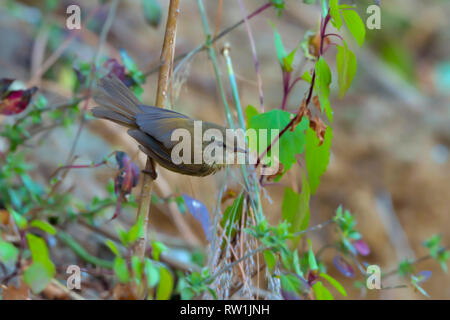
(151, 126)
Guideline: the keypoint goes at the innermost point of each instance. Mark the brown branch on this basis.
(166, 59)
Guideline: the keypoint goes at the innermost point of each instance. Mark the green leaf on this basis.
(39, 251)
(44, 226)
(136, 231)
(433, 244)
(152, 12)
(335, 14)
(113, 247)
(20, 221)
(152, 273)
(232, 214)
(405, 267)
(309, 1)
(279, 5)
(121, 270)
(443, 257)
(281, 52)
(346, 68)
(8, 252)
(157, 248)
(290, 206)
(250, 112)
(137, 266)
(296, 263)
(312, 258)
(37, 277)
(165, 286)
(355, 25)
(289, 60)
(271, 259)
(317, 157)
(132, 67)
(290, 144)
(307, 77)
(323, 80)
(123, 236)
(41, 271)
(334, 283)
(305, 194)
(290, 283)
(321, 292)
(32, 187)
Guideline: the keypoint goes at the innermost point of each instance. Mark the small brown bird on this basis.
(152, 127)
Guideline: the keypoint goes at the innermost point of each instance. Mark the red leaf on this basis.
(116, 69)
(16, 102)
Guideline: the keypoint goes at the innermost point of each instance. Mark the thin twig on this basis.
(294, 120)
(57, 54)
(204, 46)
(212, 56)
(101, 42)
(255, 56)
(418, 260)
(72, 294)
(236, 262)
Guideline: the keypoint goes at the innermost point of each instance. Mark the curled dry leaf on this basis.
(317, 103)
(319, 127)
(126, 179)
(314, 44)
(12, 293)
(124, 291)
(302, 111)
(128, 176)
(229, 194)
(4, 217)
(53, 292)
(277, 174)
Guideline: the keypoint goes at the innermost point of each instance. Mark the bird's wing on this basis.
(153, 149)
(160, 123)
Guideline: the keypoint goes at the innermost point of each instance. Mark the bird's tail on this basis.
(117, 102)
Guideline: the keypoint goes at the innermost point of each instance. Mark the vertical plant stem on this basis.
(166, 58)
(256, 201)
(255, 56)
(212, 56)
